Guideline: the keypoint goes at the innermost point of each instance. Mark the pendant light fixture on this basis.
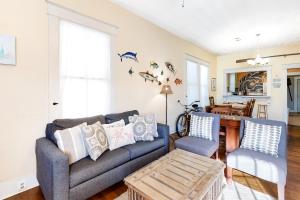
(258, 60)
(182, 3)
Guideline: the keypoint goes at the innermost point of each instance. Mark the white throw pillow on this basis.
(201, 126)
(120, 136)
(262, 138)
(71, 142)
(120, 123)
(95, 140)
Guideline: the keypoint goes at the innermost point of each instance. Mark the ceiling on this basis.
(214, 24)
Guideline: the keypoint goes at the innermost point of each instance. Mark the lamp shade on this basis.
(166, 89)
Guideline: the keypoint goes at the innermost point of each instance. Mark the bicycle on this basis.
(183, 120)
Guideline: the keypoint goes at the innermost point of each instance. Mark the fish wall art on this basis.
(130, 72)
(170, 67)
(128, 55)
(178, 81)
(149, 77)
(154, 65)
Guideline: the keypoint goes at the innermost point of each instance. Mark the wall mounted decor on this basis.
(252, 83)
(178, 81)
(170, 67)
(150, 77)
(276, 82)
(130, 72)
(213, 84)
(128, 55)
(154, 65)
(162, 72)
(7, 50)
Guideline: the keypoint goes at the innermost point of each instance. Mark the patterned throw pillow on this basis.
(95, 140)
(201, 126)
(144, 127)
(262, 138)
(120, 136)
(71, 142)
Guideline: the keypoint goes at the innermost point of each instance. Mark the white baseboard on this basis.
(11, 187)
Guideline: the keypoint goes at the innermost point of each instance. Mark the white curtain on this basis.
(84, 70)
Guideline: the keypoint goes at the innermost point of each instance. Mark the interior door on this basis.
(54, 106)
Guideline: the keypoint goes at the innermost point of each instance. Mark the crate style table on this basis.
(177, 175)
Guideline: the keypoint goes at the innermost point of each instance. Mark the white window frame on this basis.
(57, 13)
(199, 61)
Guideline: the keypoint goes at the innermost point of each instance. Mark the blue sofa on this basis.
(60, 181)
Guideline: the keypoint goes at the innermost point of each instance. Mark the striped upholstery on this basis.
(71, 142)
(262, 138)
(201, 126)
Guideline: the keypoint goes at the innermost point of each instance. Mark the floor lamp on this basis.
(166, 89)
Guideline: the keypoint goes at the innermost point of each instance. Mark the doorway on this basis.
(293, 96)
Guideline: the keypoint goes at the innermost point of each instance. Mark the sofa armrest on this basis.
(164, 132)
(52, 170)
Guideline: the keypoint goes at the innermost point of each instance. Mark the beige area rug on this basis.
(235, 191)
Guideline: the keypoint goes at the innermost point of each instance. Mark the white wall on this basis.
(278, 101)
(24, 87)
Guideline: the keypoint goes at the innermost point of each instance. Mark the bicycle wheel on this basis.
(182, 124)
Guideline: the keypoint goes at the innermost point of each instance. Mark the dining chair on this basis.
(262, 165)
(200, 145)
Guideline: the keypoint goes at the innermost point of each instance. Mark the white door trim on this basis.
(285, 67)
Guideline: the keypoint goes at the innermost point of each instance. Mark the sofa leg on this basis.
(281, 189)
(229, 175)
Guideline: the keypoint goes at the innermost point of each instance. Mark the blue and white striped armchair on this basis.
(262, 165)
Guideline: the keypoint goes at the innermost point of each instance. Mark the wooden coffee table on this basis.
(177, 175)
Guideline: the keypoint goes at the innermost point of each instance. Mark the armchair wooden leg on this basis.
(229, 175)
(281, 189)
(217, 154)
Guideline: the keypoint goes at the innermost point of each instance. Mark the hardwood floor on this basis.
(292, 187)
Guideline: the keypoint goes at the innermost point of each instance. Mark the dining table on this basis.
(231, 123)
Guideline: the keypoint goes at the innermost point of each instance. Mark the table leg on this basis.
(232, 139)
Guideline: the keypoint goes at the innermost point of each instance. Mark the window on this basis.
(84, 70)
(197, 81)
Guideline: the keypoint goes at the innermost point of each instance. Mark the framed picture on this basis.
(213, 84)
(7, 50)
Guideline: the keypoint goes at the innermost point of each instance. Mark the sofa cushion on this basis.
(60, 124)
(141, 148)
(86, 169)
(118, 116)
(197, 145)
(259, 164)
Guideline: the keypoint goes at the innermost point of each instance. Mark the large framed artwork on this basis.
(7, 50)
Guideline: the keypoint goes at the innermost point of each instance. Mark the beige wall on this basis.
(278, 101)
(24, 87)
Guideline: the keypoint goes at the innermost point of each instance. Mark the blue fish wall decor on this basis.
(128, 55)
